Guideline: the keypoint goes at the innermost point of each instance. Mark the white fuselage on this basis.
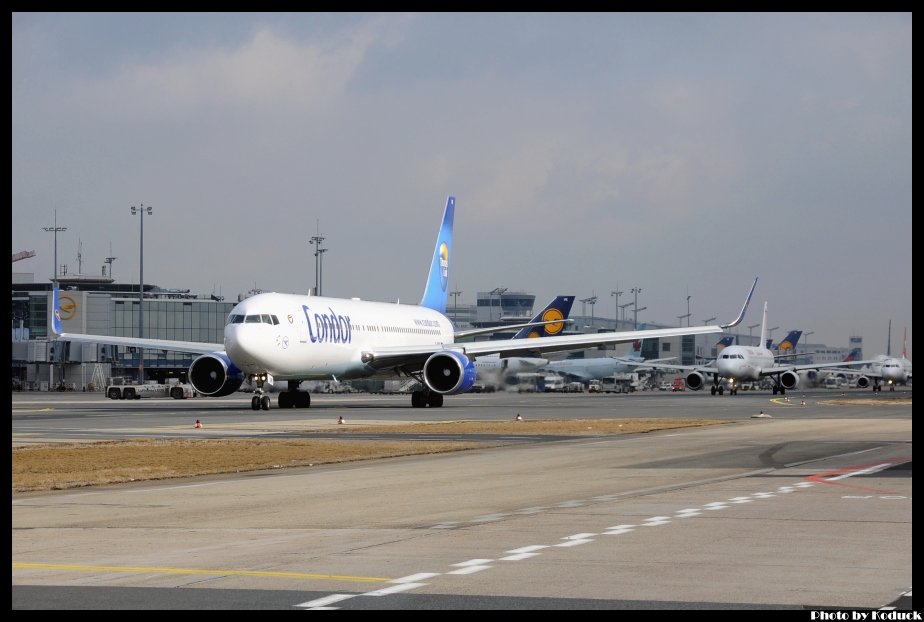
(893, 370)
(744, 362)
(592, 368)
(295, 337)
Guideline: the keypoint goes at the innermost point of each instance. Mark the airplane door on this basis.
(302, 327)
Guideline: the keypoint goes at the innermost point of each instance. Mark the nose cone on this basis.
(245, 346)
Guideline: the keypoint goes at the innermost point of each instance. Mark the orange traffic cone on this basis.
(340, 420)
(198, 424)
(519, 418)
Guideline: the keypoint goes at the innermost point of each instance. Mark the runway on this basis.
(807, 509)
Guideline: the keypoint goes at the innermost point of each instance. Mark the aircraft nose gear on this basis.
(260, 399)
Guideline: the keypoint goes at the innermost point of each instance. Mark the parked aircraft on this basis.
(597, 368)
(298, 338)
(746, 363)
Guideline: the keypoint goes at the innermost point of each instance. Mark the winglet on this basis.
(437, 291)
(743, 309)
(56, 327)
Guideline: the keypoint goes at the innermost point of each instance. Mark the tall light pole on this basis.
(591, 301)
(55, 230)
(637, 309)
(805, 342)
(769, 336)
(318, 251)
(54, 281)
(636, 291)
(680, 317)
(751, 333)
(455, 304)
(140, 211)
(617, 294)
(623, 307)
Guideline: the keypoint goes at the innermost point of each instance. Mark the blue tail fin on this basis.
(635, 351)
(789, 341)
(437, 291)
(723, 343)
(558, 309)
(56, 327)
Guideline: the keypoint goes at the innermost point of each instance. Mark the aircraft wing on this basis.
(574, 374)
(413, 357)
(192, 347)
(470, 332)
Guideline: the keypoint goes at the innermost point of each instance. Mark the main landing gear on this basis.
(293, 398)
(422, 399)
(425, 397)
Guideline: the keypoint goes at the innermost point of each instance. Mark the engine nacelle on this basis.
(862, 382)
(449, 372)
(215, 375)
(789, 379)
(695, 381)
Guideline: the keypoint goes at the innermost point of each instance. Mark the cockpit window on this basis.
(263, 318)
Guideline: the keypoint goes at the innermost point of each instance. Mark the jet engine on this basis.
(695, 381)
(789, 379)
(862, 382)
(449, 372)
(215, 375)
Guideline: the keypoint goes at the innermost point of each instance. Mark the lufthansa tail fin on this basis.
(437, 291)
(789, 341)
(56, 327)
(558, 309)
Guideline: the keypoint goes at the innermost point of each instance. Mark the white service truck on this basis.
(123, 389)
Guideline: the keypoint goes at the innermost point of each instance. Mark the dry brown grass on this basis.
(58, 466)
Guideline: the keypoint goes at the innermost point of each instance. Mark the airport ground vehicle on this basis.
(123, 389)
(678, 384)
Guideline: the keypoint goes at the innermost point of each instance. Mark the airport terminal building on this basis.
(99, 305)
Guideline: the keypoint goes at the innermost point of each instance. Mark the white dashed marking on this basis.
(321, 603)
(414, 578)
(487, 518)
(471, 566)
(688, 512)
(716, 505)
(394, 589)
(533, 510)
(740, 499)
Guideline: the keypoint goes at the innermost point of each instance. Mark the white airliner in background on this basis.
(297, 338)
(885, 368)
(747, 363)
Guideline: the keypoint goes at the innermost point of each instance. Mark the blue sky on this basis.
(682, 154)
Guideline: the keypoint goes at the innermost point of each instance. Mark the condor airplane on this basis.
(297, 338)
(748, 363)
